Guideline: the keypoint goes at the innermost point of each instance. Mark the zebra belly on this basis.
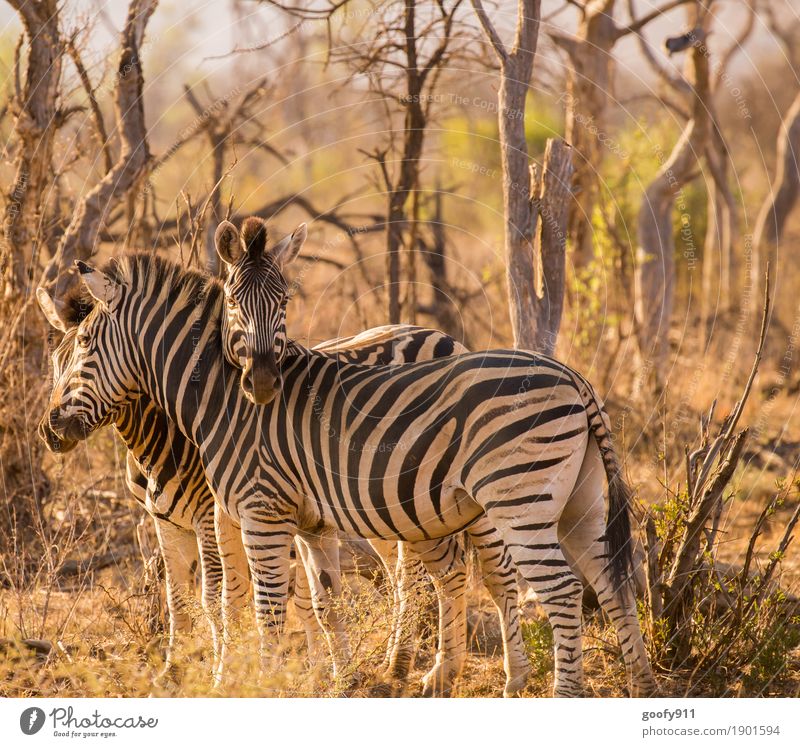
(411, 517)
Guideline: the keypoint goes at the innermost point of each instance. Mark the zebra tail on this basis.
(619, 542)
(618, 537)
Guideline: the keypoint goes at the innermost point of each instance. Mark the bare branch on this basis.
(490, 30)
(80, 237)
(638, 24)
(97, 115)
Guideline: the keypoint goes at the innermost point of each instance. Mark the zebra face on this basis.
(60, 356)
(92, 376)
(64, 315)
(256, 294)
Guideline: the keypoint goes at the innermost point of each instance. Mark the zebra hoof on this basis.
(169, 677)
(515, 685)
(435, 685)
(644, 688)
(382, 690)
(568, 691)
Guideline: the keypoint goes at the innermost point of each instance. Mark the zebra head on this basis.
(63, 317)
(256, 293)
(92, 375)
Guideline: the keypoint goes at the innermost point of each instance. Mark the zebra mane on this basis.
(152, 273)
(254, 236)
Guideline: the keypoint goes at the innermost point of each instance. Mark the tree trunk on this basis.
(79, 240)
(442, 308)
(552, 195)
(516, 68)
(413, 139)
(719, 268)
(779, 202)
(589, 85)
(34, 135)
(655, 271)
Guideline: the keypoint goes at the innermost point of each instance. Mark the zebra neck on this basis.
(184, 372)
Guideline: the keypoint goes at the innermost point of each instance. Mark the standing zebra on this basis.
(442, 557)
(550, 399)
(165, 475)
(411, 453)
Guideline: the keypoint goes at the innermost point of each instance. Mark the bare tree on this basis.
(224, 121)
(516, 68)
(78, 241)
(403, 59)
(534, 317)
(655, 271)
(719, 255)
(781, 197)
(783, 192)
(38, 115)
(589, 86)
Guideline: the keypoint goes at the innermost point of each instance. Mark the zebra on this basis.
(165, 476)
(254, 340)
(164, 473)
(412, 453)
(258, 375)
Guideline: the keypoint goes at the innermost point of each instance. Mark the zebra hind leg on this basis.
(582, 528)
(524, 508)
(445, 562)
(404, 573)
(499, 576)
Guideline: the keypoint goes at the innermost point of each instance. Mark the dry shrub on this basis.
(729, 629)
(25, 489)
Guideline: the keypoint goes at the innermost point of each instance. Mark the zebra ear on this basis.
(226, 239)
(287, 249)
(101, 287)
(52, 309)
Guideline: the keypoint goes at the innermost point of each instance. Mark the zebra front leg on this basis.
(236, 587)
(320, 556)
(212, 581)
(179, 550)
(499, 575)
(267, 543)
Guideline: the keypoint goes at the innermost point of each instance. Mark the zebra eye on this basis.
(84, 341)
(232, 303)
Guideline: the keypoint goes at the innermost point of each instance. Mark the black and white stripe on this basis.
(256, 297)
(412, 453)
(164, 473)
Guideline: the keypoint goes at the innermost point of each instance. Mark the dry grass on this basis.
(101, 631)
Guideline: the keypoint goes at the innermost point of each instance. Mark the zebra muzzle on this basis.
(63, 430)
(53, 442)
(261, 379)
